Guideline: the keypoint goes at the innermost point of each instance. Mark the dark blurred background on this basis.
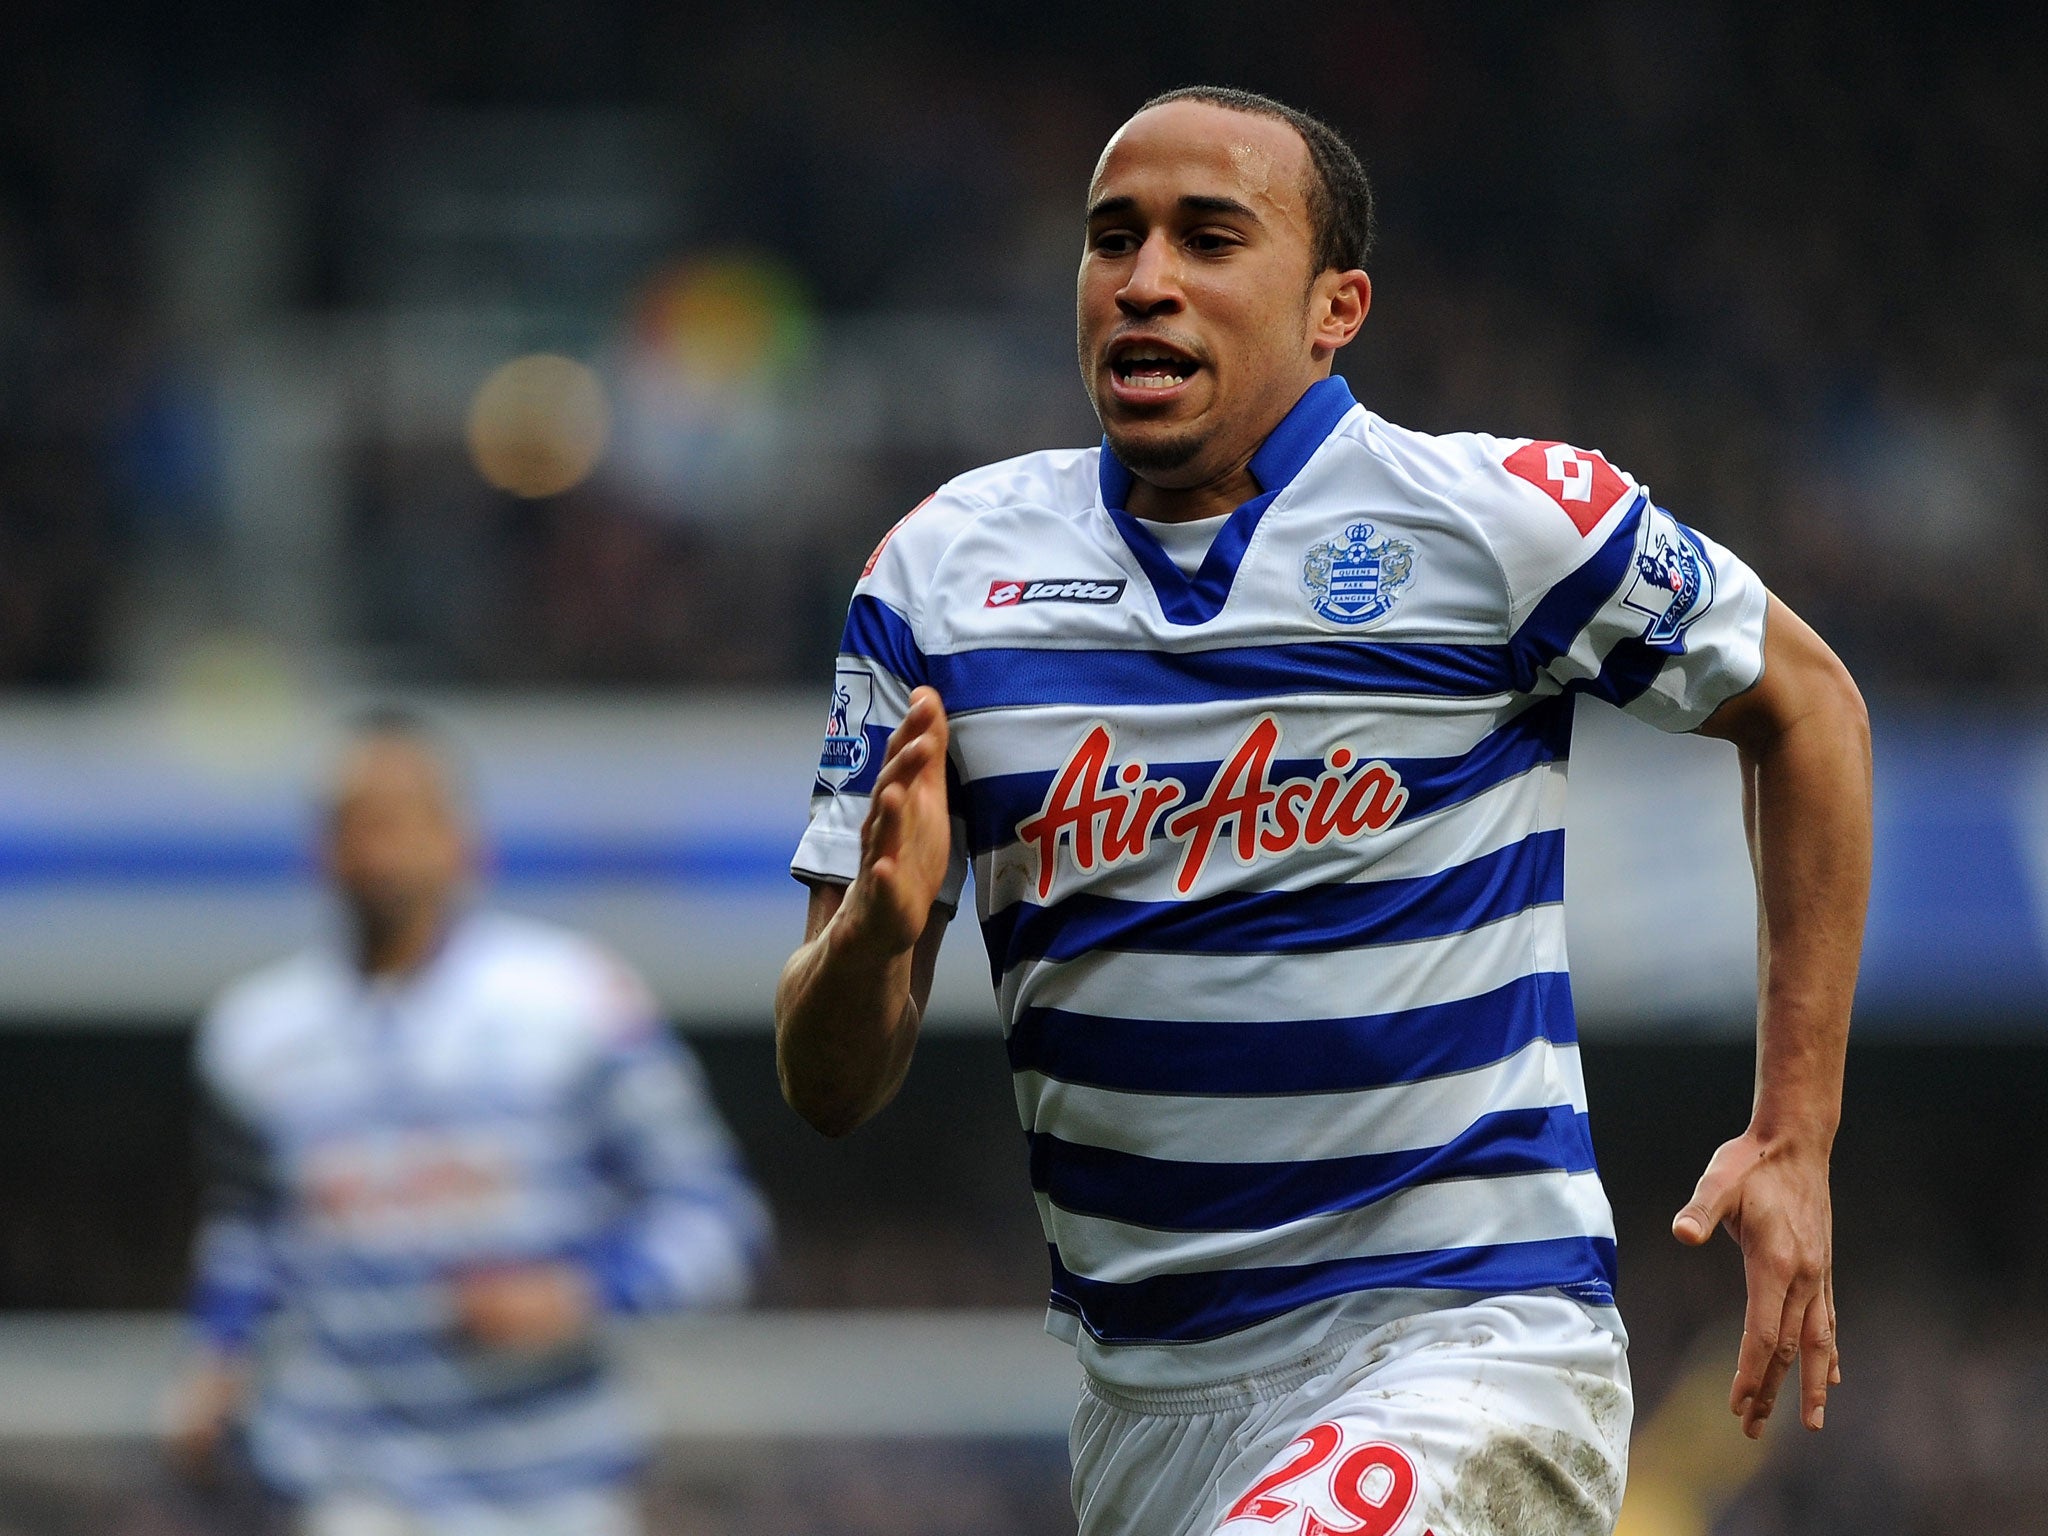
(255, 261)
(561, 363)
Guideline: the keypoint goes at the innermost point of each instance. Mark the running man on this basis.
(1252, 725)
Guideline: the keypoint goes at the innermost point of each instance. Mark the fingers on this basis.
(1760, 1327)
(917, 746)
(1834, 1336)
(1709, 1206)
(1787, 1324)
(1816, 1361)
(881, 833)
(924, 721)
(1779, 1359)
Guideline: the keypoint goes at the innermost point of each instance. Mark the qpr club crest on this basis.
(1354, 578)
(1673, 582)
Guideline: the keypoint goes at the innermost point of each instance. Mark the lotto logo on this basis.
(1080, 589)
(1585, 485)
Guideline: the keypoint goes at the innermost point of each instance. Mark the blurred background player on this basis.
(439, 1153)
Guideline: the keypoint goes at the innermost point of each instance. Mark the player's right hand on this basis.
(525, 1307)
(907, 839)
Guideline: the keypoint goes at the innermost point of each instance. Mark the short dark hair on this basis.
(1340, 212)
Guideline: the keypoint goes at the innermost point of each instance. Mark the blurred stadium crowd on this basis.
(254, 272)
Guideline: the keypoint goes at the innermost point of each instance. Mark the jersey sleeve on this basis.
(881, 660)
(1611, 595)
(688, 1227)
(235, 1280)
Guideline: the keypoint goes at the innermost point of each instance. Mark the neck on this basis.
(1225, 491)
(1189, 503)
(398, 944)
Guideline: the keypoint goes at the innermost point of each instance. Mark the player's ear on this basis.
(1338, 309)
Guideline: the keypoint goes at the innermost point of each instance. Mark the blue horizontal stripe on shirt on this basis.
(878, 633)
(310, 1264)
(1016, 677)
(367, 1350)
(1207, 1305)
(1344, 915)
(1248, 1197)
(1542, 733)
(1218, 1058)
(1626, 674)
(226, 1314)
(1563, 613)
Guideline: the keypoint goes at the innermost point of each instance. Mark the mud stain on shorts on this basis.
(1538, 1484)
(1608, 1406)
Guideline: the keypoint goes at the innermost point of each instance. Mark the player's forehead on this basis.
(380, 769)
(1200, 149)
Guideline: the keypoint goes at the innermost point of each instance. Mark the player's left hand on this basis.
(529, 1307)
(1773, 1199)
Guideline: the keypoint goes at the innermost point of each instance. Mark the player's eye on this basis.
(1211, 242)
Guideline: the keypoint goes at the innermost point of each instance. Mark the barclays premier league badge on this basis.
(1673, 582)
(846, 739)
(1354, 578)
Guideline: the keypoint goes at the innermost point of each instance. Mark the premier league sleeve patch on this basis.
(1354, 578)
(1672, 583)
(846, 740)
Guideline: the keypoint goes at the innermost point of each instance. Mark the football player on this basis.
(1253, 725)
(443, 1149)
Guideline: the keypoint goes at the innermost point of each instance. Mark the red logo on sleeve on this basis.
(869, 569)
(1585, 485)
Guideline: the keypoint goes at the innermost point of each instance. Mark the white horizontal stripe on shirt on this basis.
(1311, 725)
(1301, 1127)
(1254, 989)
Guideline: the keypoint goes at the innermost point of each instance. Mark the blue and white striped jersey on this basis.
(517, 1100)
(1269, 859)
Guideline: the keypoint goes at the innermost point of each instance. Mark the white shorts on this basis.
(1506, 1418)
(603, 1512)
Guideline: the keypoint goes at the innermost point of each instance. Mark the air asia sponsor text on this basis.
(1106, 818)
(1059, 589)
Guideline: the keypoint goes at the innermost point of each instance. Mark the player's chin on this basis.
(1156, 450)
(1161, 434)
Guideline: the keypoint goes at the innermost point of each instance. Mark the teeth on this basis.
(1153, 372)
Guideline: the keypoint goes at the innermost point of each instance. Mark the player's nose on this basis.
(1152, 285)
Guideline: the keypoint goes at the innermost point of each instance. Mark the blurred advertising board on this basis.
(149, 851)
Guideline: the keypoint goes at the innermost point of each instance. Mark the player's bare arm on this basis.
(1804, 740)
(850, 999)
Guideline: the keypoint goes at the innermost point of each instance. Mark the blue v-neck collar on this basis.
(1197, 599)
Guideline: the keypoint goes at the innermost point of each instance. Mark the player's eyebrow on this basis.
(1193, 202)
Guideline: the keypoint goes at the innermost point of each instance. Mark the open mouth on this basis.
(1153, 372)
(1142, 366)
